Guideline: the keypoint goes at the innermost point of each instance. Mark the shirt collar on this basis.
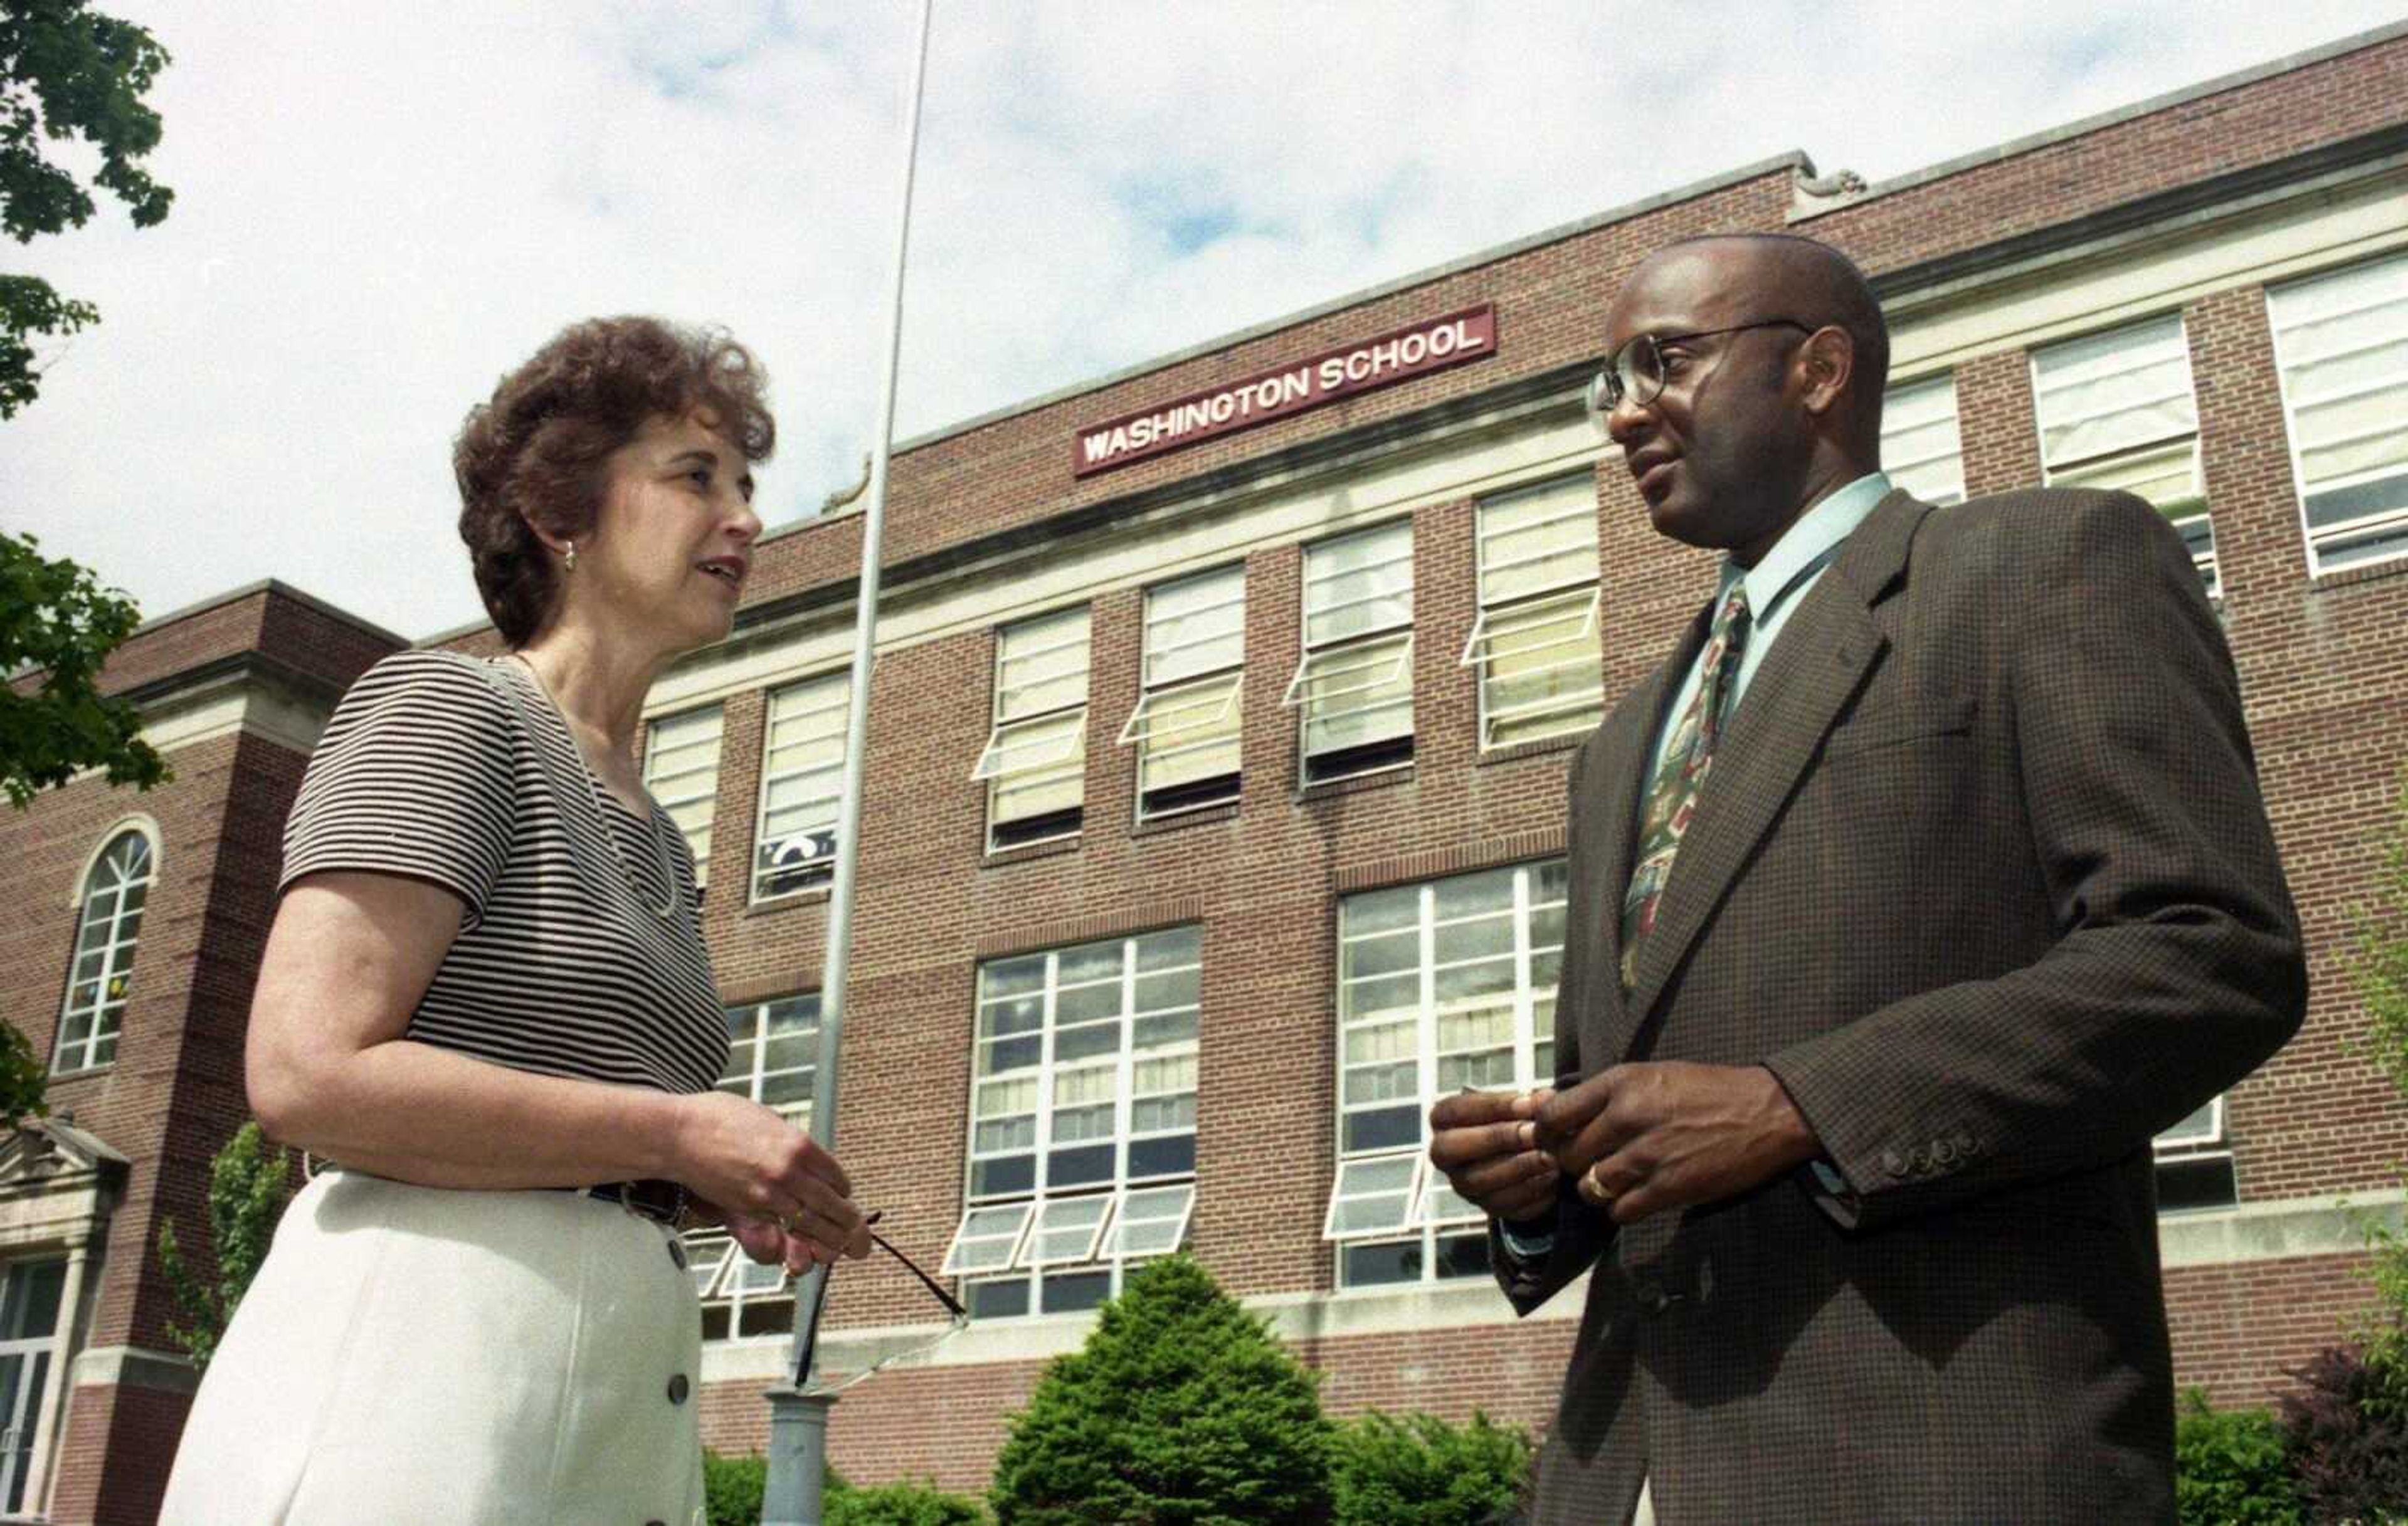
(1803, 545)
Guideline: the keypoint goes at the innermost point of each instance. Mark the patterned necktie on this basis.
(1672, 796)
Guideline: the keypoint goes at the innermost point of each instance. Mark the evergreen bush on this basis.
(732, 1488)
(1420, 1471)
(903, 1505)
(1181, 1409)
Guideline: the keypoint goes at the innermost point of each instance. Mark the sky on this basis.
(381, 208)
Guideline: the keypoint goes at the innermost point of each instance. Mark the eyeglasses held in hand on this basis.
(814, 1295)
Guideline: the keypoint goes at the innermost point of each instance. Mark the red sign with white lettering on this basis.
(1433, 345)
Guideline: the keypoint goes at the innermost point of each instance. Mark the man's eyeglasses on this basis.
(812, 1295)
(1636, 371)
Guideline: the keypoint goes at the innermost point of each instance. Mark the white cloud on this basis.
(379, 209)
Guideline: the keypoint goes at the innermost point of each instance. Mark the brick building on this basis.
(1214, 819)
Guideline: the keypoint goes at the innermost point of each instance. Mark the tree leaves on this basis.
(57, 627)
(67, 75)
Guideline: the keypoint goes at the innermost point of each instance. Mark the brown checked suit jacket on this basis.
(1982, 875)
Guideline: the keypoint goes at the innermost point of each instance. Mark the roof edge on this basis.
(2114, 115)
(278, 587)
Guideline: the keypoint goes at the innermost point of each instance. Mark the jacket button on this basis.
(1893, 1163)
(1651, 1299)
(1966, 1145)
(1942, 1152)
(676, 1388)
(677, 1253)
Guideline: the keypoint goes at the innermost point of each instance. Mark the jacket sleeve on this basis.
(1580, 1233)
(2178, 966)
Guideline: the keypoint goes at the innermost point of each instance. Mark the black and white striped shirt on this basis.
(461, 772)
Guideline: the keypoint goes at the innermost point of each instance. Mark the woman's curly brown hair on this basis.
(532, 456)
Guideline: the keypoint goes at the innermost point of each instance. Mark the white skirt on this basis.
(410, 1354)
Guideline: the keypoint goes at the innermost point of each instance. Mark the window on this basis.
(1036, 758)
(2341, 346)
(802, 775)
(114, 893)
(29, 1323)
(742, 1298)
(1187, 726)
(1355, 684)
(2195, 1163)
(1440, 985)
(681, 772)
(773, 1054)
(2116, 411)
(1083, 1121)
(1920, 449)
(1535, 643)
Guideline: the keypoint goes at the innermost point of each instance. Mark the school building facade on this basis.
(1215, 815)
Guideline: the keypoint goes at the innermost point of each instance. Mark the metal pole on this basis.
(798, 1422)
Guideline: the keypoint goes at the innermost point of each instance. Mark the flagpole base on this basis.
(798, 1479)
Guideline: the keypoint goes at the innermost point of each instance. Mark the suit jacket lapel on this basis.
(1819, 662)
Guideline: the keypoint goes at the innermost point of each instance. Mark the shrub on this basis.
(1181, 1410)
(2231, 1468)
(902, 1504)
(732, 1488)
(1420, 1471)
(2348, 1428)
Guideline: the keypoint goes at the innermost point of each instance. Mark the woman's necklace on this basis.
(604, 808)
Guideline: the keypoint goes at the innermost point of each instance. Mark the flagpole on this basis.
(799, 1420)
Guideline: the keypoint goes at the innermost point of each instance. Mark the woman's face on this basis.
(673, 542)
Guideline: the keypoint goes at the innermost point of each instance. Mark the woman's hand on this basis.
(773, 1182)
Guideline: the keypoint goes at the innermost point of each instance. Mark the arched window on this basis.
(113, 895)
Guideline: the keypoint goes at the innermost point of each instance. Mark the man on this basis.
(1924, 883)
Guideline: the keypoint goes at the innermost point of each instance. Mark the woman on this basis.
(485, 997)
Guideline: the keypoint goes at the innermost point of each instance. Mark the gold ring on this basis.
(1595, 1184)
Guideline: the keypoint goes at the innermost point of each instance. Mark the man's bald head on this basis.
(1815, 285)
(1768, 356)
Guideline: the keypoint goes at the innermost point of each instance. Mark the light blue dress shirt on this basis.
(1776, 586)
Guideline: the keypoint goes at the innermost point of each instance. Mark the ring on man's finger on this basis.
(1593, 1187)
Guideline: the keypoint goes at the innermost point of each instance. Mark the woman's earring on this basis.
(569, 556)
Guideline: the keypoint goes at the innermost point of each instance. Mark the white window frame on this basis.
(687, 790)
(2214, 1144)
(753, 1081)
(26, 1466)
(725, 1278)
(1060, 731)
(100, 961)
(1384, 647)
(1503, 617)
(1936, 477)
(2335, 539)
(1106, 1249)
(1432, 1211)
(1189, 709)
(2083, 468)
(808, 846)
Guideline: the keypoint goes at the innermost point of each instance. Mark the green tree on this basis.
(1420, 1471)
(1181, 1409)
(246, 1194)
(57, 626)
(66, 73)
